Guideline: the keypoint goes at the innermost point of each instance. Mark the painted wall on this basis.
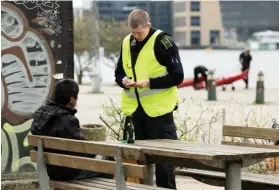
(36, 44)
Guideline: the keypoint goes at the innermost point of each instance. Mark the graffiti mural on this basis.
(15, 136)
(27, 66)
(31, 54)
(47, 15)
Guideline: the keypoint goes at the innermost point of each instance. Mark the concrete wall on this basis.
(36, 43)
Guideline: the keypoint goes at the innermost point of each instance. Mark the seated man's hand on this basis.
(128, 83)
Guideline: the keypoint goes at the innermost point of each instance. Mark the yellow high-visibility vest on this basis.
(155, 102)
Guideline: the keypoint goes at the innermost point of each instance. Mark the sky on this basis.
(81, 3)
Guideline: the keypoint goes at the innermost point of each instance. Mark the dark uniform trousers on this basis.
(246, 79)
(161, 127)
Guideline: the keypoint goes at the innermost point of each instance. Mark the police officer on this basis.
(245, 59)
(200, 69)
(149, 70)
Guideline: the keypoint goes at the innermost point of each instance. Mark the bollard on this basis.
(260, 89)
(211, 86)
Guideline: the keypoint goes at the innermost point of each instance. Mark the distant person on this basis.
(245, 59)
(203, 71)
(56, 118)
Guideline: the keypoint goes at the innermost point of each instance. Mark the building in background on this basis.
(222, 23)
(160, 12)
(243, 18)
(197, 23)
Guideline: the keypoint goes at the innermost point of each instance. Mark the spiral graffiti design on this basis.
(27, 66)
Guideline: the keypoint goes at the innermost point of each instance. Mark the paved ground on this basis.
(184, 183)
(239, 105)
(90, 105)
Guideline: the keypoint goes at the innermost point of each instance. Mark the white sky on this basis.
(81, 3)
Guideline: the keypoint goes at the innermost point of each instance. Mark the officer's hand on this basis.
(143, 83)
(128, 83)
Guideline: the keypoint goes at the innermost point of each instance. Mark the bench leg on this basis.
(233, 176)
(149, 178)
(119, 172)
(41, 167)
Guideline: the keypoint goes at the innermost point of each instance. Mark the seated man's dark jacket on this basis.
(55, 120)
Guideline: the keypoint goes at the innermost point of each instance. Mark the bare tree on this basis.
(84, 43)
(113, 118)
(111, 35)
(88, 34)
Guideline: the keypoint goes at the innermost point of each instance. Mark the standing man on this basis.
(245, 59)
(200, 69)
(149, 70)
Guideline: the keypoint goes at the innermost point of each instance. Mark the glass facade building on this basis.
(160, 12)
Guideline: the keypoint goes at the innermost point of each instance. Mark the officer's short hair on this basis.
(64, 90)
(138, 18)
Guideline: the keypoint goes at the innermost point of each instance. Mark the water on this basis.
(226, 63)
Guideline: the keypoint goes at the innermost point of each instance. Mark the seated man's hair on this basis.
(138, 18)
(64, 90)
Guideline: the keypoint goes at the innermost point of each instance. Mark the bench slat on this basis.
(131, 170)
(251, 132)
(250, 145)
(184, 149)
(214, 149)
(105, 181)
(98, 184)
(89, 147)
(70, 186)
(248, 177)
(108, 186)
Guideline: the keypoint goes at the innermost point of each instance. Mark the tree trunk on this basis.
(80, 75)
(80, 71)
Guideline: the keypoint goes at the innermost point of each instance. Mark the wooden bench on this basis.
(118, 168)
(249, 180)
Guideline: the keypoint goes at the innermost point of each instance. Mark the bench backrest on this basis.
(88, 147)
(250, 132)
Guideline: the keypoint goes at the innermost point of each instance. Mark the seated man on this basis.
(56, 118)
(200, 70)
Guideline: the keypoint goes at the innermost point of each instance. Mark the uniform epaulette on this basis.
(166, 42)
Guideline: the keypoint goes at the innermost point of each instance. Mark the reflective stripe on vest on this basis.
(146, 92)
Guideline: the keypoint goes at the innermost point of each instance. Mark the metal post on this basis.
(233, 176)
(96, 79)
(98, 51)
(260, 89)
(211, 86)
(224, 121)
